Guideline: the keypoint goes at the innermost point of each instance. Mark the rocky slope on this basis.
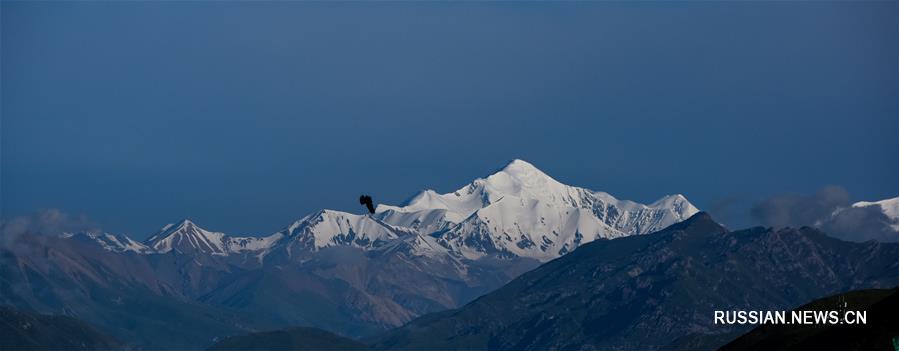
(644, 292)
(27, 331)
(356, 275)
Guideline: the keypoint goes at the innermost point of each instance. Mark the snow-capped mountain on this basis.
(522, 211)
(111, 242)
(187, 237)
(328, 228)
(356, 274)
(519, 211)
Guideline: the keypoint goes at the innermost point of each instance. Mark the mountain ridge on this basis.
(355, 275)
(646, 291)
(491, 216)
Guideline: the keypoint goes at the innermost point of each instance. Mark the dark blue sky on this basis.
(246, 116)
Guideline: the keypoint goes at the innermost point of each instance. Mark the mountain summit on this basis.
(518, 211)
(188, 237)
(354, 274)
(522, 211)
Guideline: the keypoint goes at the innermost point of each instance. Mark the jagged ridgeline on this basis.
(660, 291)
(352, 274)
(517, 211)
(651, 291)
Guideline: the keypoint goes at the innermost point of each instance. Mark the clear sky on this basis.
(246, 116)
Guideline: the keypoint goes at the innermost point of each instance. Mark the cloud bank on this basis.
(829, 209)
(44, 222)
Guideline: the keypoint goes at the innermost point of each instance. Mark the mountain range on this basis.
(518, 211)
(356, 275)
(514, 260)
(645, 292)
(660, 291)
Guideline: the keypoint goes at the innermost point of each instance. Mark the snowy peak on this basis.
(521, 211)
(424, 200)
(171, 228)
(671, 201)
(187, 237)
(518, 179)
(521, 166)
(523, 180)
(332, 228)
(110, 242)
(517, 211)
(519, 175)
